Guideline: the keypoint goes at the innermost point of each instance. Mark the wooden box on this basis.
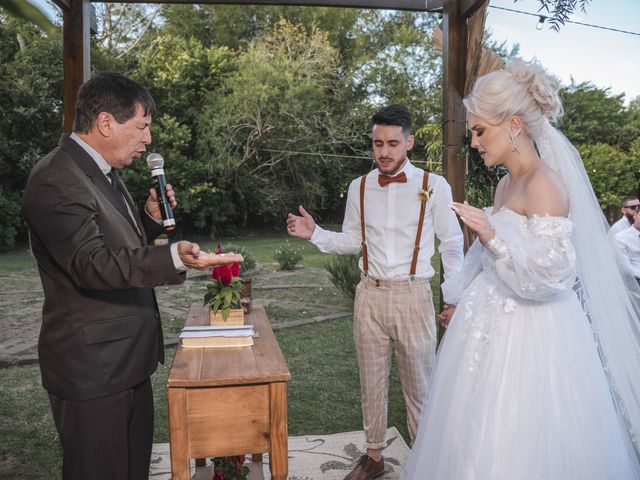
(236, 317)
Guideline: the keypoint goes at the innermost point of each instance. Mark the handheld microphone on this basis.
(155, 162)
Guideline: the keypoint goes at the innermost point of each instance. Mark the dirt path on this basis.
(303, 296)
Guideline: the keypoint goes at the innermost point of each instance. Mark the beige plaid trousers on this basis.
(398, 314)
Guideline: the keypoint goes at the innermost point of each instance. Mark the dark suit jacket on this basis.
(101, 330)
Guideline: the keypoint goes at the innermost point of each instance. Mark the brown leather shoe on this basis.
(366, 468)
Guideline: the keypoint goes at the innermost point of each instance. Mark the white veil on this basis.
(606, 295)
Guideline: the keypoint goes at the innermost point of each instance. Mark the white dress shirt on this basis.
(628, 241)
(622, 224)
(391, 218)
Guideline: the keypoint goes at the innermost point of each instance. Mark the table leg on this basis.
(178, 428)
(279, 448)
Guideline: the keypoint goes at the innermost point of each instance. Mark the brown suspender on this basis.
(363, 243)
(423, 206)
(416, 250)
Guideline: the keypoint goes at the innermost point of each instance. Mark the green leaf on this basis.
(216, 305)
(228, 294)
(26, 11)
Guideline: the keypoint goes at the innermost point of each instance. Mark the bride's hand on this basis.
(476, 220)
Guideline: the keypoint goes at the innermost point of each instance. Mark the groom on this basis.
(391, 216)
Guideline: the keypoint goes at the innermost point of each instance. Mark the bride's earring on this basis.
(514, 142)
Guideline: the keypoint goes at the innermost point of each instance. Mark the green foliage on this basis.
(249, 263)
(278, 103)
(30, 112)
(592, 115)
(288, 257)
(26, 11)
(560, 10)
(345, 274)
(612, 172)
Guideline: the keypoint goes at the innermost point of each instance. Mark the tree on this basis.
(181, 73)
(592, 115)
(30, 112)
(122, 26)
(265, 139)
(613, 173)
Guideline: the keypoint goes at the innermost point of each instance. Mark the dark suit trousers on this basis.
(107, 438)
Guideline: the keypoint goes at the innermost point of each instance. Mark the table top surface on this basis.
(210, 367)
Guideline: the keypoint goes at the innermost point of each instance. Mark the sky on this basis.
(606, 59)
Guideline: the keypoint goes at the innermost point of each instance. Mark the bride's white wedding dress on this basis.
(518, 391)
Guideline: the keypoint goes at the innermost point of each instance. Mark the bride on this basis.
(537, 376)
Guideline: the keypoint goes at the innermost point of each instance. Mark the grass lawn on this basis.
(323, 395)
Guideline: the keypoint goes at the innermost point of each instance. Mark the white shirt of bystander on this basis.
(628, 241)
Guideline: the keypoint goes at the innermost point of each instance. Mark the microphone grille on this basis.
(155, 160)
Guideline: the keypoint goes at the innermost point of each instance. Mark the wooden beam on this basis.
(454, 73)
(63, 4)
(411, 5)
(466, 8)
(76, 55)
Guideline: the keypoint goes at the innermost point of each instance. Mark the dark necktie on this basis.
(120, 191)
(117, 186)
(385, 180)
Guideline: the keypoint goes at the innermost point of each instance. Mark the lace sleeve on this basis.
(454, 286)
(536, 261)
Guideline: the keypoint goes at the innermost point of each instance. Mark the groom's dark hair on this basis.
(397, 115)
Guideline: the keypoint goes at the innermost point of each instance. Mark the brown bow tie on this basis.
(385, 180)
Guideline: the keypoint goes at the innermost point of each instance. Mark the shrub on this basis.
(288, 257)
(345, 274)
(249, 263)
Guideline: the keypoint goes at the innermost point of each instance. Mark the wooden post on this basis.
(454, 74)
(76, 54)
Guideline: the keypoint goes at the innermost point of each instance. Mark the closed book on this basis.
(213, 342)
(217, 336)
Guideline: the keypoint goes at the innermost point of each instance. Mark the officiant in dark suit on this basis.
(101, 336)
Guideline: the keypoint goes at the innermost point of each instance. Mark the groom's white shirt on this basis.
(391, 217)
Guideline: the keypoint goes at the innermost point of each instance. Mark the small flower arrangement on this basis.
(230, 468)
(424, 195)
(225, 290)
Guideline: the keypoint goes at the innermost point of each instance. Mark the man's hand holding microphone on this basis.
(160, 205)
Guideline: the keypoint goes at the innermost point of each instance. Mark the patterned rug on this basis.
(311, 457)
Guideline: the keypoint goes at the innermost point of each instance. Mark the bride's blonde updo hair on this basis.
(521, 88)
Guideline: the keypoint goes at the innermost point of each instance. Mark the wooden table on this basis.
(229, 401)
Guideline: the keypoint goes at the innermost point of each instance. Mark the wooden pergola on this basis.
(463, 27)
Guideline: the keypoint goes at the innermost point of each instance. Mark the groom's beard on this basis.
(629, 217)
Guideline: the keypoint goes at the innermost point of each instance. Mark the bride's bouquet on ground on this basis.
(224, 295)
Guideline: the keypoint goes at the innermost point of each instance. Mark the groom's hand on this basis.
(301, 227)
(445, 316)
